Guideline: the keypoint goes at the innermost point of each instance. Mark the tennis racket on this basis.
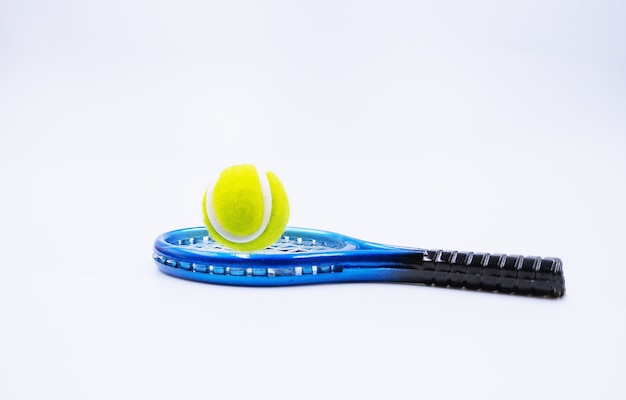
(307, 256)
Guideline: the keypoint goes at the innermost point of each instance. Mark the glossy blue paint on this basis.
(302, 256)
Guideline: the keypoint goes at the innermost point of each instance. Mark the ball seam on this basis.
(266, 194)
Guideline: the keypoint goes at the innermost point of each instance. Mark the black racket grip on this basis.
(516, 274)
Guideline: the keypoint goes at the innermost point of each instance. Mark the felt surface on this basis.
(238, 200)
(237, 196)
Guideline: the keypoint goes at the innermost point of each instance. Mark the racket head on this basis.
(301, 256)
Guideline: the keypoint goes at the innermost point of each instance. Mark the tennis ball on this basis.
(246, 209)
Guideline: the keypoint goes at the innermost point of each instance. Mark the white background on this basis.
(479, 125)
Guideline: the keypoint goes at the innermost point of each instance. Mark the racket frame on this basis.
(307, 256)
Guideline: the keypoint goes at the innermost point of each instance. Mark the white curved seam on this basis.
(267, 212)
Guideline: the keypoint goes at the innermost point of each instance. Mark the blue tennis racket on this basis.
(307, 256)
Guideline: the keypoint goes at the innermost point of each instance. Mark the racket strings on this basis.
(286, 245)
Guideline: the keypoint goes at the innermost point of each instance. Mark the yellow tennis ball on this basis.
(246, 209)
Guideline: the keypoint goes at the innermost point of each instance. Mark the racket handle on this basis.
(534, 276)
